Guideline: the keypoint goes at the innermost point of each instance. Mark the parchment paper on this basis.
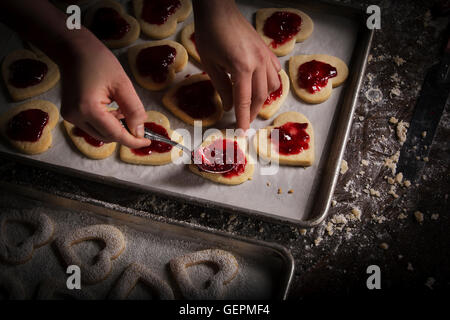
(334, 35)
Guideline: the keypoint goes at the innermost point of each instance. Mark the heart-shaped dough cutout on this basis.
(28, 74)
(194, 99)
(157, 26)
(227, 270)
(324, 93)
(114, 246)
(21, 253)
(52, 289)
(268, 150)
(11, 286)
(149, 63)
(28, 126)
(188, 41)
(286, 43)
(111, 24)
(158, 153)
(244, 170)
(132, 275)
(89, 146)
(275, 100)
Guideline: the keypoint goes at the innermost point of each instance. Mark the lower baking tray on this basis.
(339, 31)
(265, 270)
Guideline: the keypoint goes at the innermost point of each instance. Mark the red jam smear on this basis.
(293, 138)
(156, 146)
(27, 72)
(282, 26)
(197, 99)
(155, 61)
(27, 125)
(108, 24)
(313, 75)
(222, 154)
(274, 95)
(158, 11)
(88, 138)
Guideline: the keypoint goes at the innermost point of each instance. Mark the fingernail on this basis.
(140, 131)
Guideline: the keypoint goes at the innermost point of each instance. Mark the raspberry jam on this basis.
(27, 125)
(108, 24)
(220, 155)
(27, 72)
(156, 146)
(88, 138)
(274, 95)
(313, 75)
(155, 62)
(282, 26)
(158, 11)
(293, 138)
(197, 99)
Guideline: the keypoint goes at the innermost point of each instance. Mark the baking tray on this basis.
(265, 270)
(339, 31)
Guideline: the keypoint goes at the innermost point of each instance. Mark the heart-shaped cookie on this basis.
(293, 142)
(314, 76)
(212, 149)
(194, 99)
(281, 28)
(11, 286)
(132, 275)
(52, 289)
(159, 18)
(275, 100)
(155, 63)
(21, 253)
(28, 74)
(88, 145)
(111, 24)
(227, 270)
(114, 245)
(158, 153)
(188, 41)
(28, 126)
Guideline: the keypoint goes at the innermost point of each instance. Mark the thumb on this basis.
(131, 107)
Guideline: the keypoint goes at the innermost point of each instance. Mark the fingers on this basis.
(259, 91)
(111, 130)
(275, 62)
(131, 107)
(222, 84)
(242, 96)
(273, 80)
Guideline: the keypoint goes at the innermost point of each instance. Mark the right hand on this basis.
(91, 79)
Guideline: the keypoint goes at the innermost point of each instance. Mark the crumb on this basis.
(417, 158)
(419, 216)
(261, 230)
(398, 60)
(302, 231)
(393, 120)
(426, 159)
(344, 166)
(318, 241)
(361, 118)
(434, 216)
(424, 177)
(402, 129)
(407, 183)
(402, 216)
(390, 180)
(280, 191)
(333, 203)
(365, 162)
(366, 191)
(399, 177)
(425, 147)
(268, 184)
(202, 215)
(424, 134)
(356, 212)
(290, 191)
(339, 219)
(384, 246)
(391, 162)
(329, 228)
(375, 193)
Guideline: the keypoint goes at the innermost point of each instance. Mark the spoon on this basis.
(206, 165)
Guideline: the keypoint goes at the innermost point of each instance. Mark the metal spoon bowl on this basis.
(148, 134)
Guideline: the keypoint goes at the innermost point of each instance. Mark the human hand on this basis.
(93, 78)
(227, 43)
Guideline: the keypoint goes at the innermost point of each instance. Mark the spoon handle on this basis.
(148, 134)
